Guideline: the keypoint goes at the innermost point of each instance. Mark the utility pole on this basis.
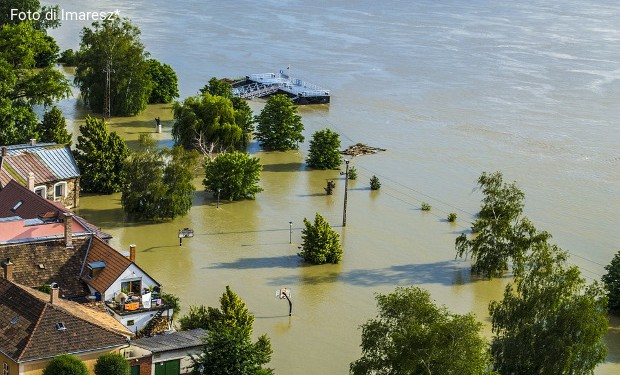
(346, 187)
(107, 106)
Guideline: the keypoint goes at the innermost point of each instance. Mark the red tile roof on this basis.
(28, 327)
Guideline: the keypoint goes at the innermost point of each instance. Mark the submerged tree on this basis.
(54, 127)
(501, 233)
(550, 321)
(612, 283)
(320, 243)
(278, 126)
(324, 150)
(411, 335)
(113, 44)
(100, 156)
(233, 175)
(159, 184)
(164, 80)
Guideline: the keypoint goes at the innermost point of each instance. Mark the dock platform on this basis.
(265, 84)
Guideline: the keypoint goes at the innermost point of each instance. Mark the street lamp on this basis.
(290, 232)
(185, 233)
(346, 188)
(218, 197)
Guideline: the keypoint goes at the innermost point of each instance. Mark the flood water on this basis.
(449, 88)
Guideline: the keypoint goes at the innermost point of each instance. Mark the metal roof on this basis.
(171, 341)
(48, 161)
(60, 161)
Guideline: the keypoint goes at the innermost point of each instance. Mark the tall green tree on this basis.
(320, 243)
(232, 313)
(207, 123)
(612, 283)
(100, 157)
(501, 233)
(413, 336)
(229, 351)
(22, 85)
(244, 118)
(279, 126)
(218, 87)
(159, 184)
(116, 44)
(550, 321)
(112, 364)
(324, 150)
(66, 364)
(165, 82)
(233, 175)
(54, 127)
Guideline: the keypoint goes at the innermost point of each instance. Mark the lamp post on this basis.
(218, 197)
(290, 232)
(346, 188)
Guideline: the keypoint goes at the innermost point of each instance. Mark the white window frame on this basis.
(64, 190)
(42, 187)
(5, 368)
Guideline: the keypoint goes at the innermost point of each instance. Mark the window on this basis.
(41, 190)
(17, 205)
(130, 322)
(134, 287)
(5, 368)
(60, 190)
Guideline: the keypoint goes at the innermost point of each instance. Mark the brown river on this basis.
(449, 89)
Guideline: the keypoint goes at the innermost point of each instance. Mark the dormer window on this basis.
(15, 319)
(95, 268)
(60, 326)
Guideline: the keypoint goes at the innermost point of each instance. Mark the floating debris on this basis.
(361, 149)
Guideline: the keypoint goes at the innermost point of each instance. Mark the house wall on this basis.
(130, 273)
(182, 354)
(137, 356)
(72, 196)
(89, 359)
(12, 365)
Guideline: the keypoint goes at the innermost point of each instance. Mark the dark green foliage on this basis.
(502, 233)
(47, 53)
(65, 364)
(244, 118)
(45, 288)
(324, 153)
(375, 184)
(329, 189)
(68, 57)
(425, 206)
(230, 351)
(54, 128)
(612, 284)
(172, 302)
(100, 156)
(112, 364)
(279, 127)
(411, 335)
(550, 321)
(22, 5)
(165, 82)
(209, 124)
(320, 243)
(218, 87)
(21, 85)
(232, 313)
(118, 43)
(352, 173)
(452, 217)
(159, 182)
(235, 175)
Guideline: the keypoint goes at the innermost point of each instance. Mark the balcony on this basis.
(136, 304)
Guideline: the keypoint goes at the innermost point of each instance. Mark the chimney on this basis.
(31, 181)
(132, 253)
(54, 293)
(8, 269)
(33, 141)
(68, 230)
(3, 151)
